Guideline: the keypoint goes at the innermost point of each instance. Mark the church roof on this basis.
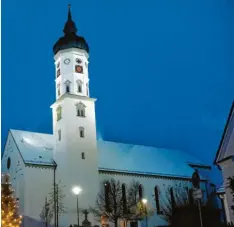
(37, 148)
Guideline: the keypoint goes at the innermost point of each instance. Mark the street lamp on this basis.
(77, 190)
(144, 201)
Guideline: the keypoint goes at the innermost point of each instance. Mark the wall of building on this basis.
(38, 185)
(228, 171)
(16, 170)
(148, 184)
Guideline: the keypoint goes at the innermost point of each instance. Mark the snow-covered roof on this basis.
(226, 147)
(37, 148)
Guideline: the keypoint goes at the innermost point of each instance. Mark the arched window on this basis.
(80, 109)
(156, 194)
(140, 190)
(67, 86)
(124, 199)
(59, 113)
(107, 195)
(79, 86)
(81, 130)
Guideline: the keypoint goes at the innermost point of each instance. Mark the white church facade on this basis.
(73, 155)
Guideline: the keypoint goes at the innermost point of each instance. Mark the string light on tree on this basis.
(9, 211)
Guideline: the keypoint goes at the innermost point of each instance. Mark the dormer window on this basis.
(80, 109)
(67, 86)
(79, 86)
(59, 113)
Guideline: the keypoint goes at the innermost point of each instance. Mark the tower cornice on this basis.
(73, 96)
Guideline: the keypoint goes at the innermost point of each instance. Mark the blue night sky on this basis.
(162, 70)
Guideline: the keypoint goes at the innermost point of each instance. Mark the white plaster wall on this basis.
(148, 184)
(228, 171)
(16, 170)
(68, 71)
(38, 185)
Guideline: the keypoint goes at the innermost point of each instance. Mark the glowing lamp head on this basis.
(144, 201)
(76, 190)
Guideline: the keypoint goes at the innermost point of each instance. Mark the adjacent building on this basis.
(225, 161)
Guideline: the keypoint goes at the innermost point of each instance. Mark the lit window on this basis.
(80, 109)
(59, 113)
(83, 155)
(81, 129)
(79, 86)
(59, 134)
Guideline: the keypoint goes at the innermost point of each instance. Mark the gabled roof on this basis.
(37, 148)
(226, 146)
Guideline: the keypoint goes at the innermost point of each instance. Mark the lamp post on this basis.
(146, 215)
(77, 190)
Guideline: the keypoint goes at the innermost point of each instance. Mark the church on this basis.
(74, 156)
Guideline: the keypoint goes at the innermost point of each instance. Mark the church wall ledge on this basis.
(144, 175)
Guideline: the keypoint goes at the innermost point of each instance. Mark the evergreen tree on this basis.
(9, 211)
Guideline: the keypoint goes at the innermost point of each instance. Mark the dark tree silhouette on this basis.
(46, 214)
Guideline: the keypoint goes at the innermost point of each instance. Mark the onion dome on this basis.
(70, 38)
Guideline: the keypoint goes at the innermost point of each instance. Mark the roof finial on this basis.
(69, 12)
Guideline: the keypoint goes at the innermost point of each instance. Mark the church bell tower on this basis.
(74, 124)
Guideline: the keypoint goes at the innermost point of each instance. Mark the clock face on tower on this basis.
(78, 69)
(67, 61)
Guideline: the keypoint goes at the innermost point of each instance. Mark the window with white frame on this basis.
(80, 109)
(87, 89)
(79, 86)
(59, 113)
(68, 86)
(81, 131)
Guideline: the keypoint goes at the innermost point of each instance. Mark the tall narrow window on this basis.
(87, 89)
(59, 113)
(68, 88)
(79, 86)
(80, 109)
(58, 89)
(140, 190)
(83, 155)
(172, 197)
(59, 134)
(58, 72)
(156, 194)
(81, 129)
(107, 196)
(124, 199)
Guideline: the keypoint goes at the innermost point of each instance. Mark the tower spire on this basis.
(70, 26)
(69, 12)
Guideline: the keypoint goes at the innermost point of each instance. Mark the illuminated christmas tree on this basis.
(9, 208)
